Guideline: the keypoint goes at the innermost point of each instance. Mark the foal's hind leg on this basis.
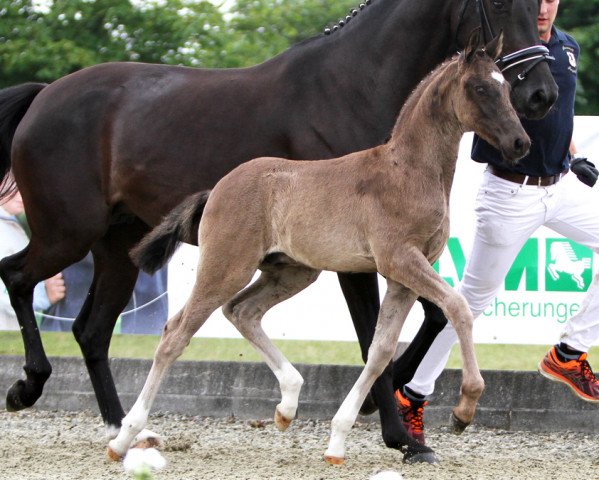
(212, 289)
(246, 310)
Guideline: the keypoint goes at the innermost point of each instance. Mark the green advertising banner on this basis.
(544, 286)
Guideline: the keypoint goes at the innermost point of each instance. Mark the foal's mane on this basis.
(435, 84)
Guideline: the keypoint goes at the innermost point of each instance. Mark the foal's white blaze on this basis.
(498, 77)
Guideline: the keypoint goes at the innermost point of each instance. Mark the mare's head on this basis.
(482, 101)
(524, 60)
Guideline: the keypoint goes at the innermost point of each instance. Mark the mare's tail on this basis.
(14, 103)
(180, 225)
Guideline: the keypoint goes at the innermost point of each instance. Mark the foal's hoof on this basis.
(14, 397)
(331, 460)
(281, 422)
(369, 406)
(458, 426)
(419, 456)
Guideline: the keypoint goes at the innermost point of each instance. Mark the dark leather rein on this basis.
(529, 56)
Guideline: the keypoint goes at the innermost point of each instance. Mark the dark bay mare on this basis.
(104, 153)
(383, 209)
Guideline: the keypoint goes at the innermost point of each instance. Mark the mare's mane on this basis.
(338, 25)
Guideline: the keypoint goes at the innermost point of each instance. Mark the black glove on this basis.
(584, 170)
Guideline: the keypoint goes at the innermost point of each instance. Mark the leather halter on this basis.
(530, 56)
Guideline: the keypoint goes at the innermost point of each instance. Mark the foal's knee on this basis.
(379, 356)
(457, 310)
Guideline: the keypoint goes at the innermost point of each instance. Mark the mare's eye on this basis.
(480, 90)
(498, 4)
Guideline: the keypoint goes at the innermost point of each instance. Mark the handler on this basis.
(511, 204)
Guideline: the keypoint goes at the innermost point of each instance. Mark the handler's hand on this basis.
(584, 170)
(55, 288)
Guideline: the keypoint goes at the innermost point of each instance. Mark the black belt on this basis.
(520, 178)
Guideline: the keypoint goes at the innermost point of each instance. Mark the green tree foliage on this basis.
(580, 18)
(265, 28)
(47, 42)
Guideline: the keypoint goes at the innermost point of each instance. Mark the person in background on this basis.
(13, 239)
(146, 312)
(511, 204)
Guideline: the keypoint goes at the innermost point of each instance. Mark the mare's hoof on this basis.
(281, 422)
(419, 455)
(112, 455)
(458, 426)
(369, 406)
(14, 397)
(331, 460)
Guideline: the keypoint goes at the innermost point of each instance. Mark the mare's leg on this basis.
(216, 283)
(111, 288)
(362, 296)
(394, 310)
(41, 259)
(405, 366)
(246, 310)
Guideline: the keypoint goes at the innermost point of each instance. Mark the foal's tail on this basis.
(180, 225)
(14, 103)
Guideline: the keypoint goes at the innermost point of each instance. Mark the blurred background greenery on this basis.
(490, 357)
(41, 40)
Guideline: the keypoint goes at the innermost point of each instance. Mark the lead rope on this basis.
(133, 310)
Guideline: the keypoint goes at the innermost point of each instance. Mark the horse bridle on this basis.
(529, 56)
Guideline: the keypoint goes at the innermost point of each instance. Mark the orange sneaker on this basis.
(411, 413)
(577, 374)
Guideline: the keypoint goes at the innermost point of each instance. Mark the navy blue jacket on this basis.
(550, 136)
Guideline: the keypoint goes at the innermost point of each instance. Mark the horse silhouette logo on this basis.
(564, 261)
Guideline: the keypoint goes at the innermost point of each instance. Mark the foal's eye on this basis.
(480, 90)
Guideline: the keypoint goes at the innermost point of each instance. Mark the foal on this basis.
(384, 209)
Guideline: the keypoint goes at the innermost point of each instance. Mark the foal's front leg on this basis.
(394, 310)
(416, 273)
(175, 337)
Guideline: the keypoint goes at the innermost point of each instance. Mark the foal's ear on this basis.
(495, 46)
(473, 45)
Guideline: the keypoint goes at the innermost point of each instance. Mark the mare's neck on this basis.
(385, 50)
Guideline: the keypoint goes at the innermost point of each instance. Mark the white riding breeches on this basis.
(507, 214)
